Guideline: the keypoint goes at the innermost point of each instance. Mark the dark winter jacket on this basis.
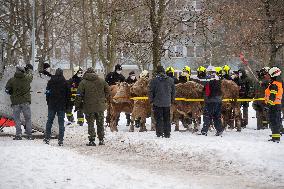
(130, 81)
(227, 76)
(73, 85)
(171, 75)
(19, 88)
(212, 91)
(113, 77)
(57, 93)
(93, 93)
(183, 79)
(245, 84)
(162, 91)
(259, 92)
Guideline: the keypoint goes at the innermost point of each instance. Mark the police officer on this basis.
(245, 84)
(113, 77)
(273, 99)
(170, 72)
(259, 106)
(73, 84)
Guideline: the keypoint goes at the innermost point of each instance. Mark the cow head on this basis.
(140, 87)
(123, 93)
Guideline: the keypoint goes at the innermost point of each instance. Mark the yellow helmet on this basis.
(170, 70)
(219, 70)
(226, 69)
(187, 69)
(201, 69)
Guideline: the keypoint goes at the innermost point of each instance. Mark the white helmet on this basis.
(76, 69)
(274, 72)
(144, 74)
(211, 69)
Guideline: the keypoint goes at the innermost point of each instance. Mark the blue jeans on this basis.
(51, 116)
(212, 111)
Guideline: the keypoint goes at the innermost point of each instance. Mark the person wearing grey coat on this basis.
(161, 96)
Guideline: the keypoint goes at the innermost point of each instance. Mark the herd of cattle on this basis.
(181, 110)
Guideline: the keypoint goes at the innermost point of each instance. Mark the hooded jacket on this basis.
(57, 93)
(92, 94)
(162, 91)
(19, 87)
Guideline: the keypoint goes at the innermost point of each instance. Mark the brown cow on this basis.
(192, 110)
(121, 102)
(231, 113)
(142, 108)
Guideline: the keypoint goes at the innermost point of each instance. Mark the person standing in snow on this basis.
(161, 96)
(92, 94)
(57, 96)
(213, 105)
(19, 88)
(73, 84)
(273, 99)
(246, 91)
(130, 80)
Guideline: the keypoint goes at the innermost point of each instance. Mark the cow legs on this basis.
(238, 118)
(113, 122)
(143, 124)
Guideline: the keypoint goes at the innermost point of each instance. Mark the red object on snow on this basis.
(4, 122)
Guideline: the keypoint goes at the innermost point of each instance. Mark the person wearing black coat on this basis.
(213, 104)
(130, 80)
(57, 94)
(113, 77)
(246, 91)
(161, 96)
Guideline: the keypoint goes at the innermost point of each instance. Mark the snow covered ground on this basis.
(140, 160)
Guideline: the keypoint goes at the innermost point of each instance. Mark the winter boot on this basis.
(203, 133)
(17, 137)
(80, 123)
(30, 137)
(46, 140)
(60, 142)
(91, 143)
(101, 142)
(219, 133)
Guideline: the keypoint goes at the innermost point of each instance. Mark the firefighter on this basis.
(226, 70)
(219, 72)
(73, 84)
(170, 71)
(273, 99)
(185, 76)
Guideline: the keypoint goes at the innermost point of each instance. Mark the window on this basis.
(190, 51)
(179, 51)
(199, 51)
(57, 53)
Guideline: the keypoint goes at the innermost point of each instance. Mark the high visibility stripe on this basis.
(276, 135)
(69, 114)
(74, 95)
(264, 121)
(81, 119)
(74, 89)
(271, 102)
(273, 92)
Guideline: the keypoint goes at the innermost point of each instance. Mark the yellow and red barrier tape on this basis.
(201, 100)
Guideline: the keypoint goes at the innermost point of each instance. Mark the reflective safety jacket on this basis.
(274, 93)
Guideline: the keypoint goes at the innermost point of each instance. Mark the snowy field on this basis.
(141, 160)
